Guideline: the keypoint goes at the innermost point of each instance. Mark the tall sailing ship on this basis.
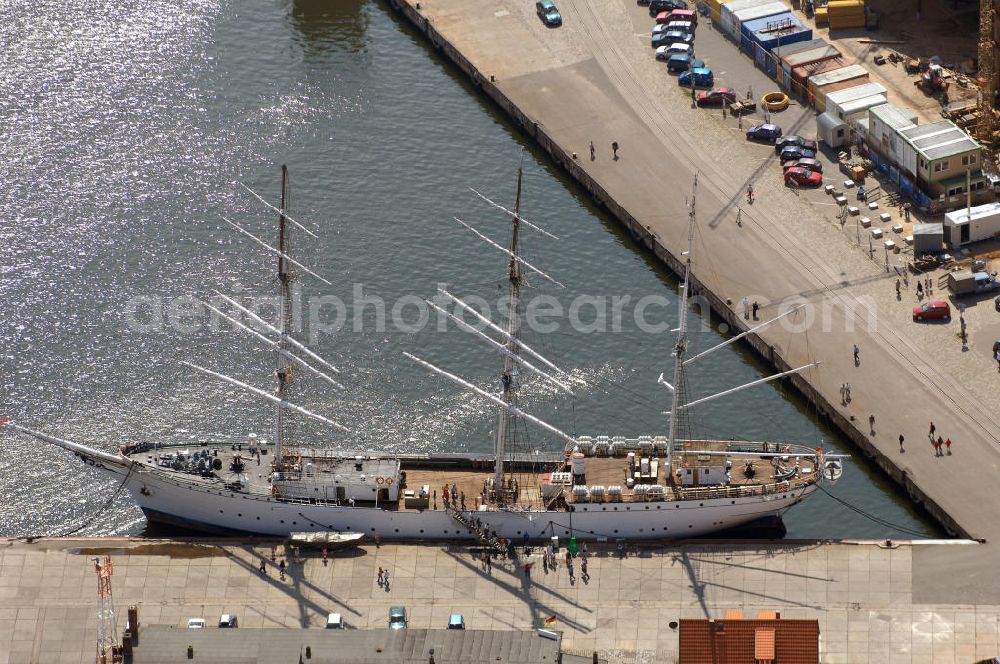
(650, 487)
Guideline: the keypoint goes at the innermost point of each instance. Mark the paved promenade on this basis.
(595, 79)
(861, 594)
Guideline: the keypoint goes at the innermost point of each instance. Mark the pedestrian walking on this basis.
(906, 211)
(746, 307)
(614, 149)
(381, 577)
(901, 443)
(843, 394)
(445, 493)
(847, 387)
(920, 290)
(947, 444)
(385, 579)
(750, 193)
(462, 499)
(937, 446)
(545, 563)
(899, 294)
(325, 557)
(593, 152)
(583, 571)
(489, 563)
(527, 570)
(263, 567)
(281, 568)
(378, 540)
(933, 429)
(871, 424)
(755, 309)
(857, 356)
(569, 557)
(998, 360)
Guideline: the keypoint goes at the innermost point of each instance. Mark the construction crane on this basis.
(109, 651)
(987, 72)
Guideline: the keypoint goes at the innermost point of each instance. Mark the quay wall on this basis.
(644, 236)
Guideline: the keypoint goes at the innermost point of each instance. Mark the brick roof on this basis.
(735, 641)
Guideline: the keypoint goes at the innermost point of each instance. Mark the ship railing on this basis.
(686, 493)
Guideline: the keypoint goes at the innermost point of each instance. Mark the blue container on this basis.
(774, 31)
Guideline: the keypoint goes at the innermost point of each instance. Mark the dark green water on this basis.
(124, 131)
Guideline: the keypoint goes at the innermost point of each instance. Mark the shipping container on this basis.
(744, 16)
(822, 52)
(802, 73)
(730, 25)
(773, 31)
(821, 85)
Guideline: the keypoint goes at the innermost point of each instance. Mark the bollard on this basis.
(190, 652)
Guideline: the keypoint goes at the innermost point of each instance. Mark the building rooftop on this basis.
(789, 49)
(938, 140)
(160, 644)
(749, 641)
(807, 55)
(962, 216)
(892, 116)
(838, 75)
(855, 92)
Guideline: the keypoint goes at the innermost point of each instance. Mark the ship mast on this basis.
(283, 372)
(508, 390)
(681, 345)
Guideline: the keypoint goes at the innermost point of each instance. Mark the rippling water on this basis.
(125, 129)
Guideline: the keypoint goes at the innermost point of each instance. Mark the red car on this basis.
(803, 176)
(804, 162)
(932, 311)
(717, 97)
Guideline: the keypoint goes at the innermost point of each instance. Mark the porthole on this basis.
(690, 526)
(397, 530)
(701, 504)
(221, 512)
(615, 508)
(295, 523)
(647, 507)
(240, 515)
(616, 532)
(282, 521)
(258, 518)
(604, 509)
(421, 531)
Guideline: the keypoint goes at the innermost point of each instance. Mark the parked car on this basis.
(803, 176)
(669, 38)
(763, 132)
(699, 76)
(335, 621)
(664, 52)
(643, 3)
(548, 12)
(456, 621)
(397, 618)
(228, 621)
(794, 152)
(679, 61)
(196, 623)
(657, 6)
(787, 141)
(812, 164)
(716, 97)
(682, 26)
(996, 303)
(939, 310)
(689, 15)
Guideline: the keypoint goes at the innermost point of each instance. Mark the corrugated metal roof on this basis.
(840, 97)
(938, 140)
(751, 13)
(737, 5)
(776, 25)
(891, 116)
(160, 644)
(858, 105)
(824, 52)
(789, 49)
(838, 75)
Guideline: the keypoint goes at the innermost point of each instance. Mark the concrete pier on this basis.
(861, 593)
(595, 80)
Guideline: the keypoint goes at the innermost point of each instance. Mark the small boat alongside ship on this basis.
(595, 487)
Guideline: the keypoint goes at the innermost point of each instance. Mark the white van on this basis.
(334, 621)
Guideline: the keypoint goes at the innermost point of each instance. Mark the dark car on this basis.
(670, 37)
(932, 311)
(717, 97)
(547, 11)
(811, 164)
(657, 6)
(794, 152)
(699, 77)
(787, 141)
(679, 61)
(803, 176)
(763, 132)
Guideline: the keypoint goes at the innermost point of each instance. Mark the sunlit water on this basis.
(125, 128)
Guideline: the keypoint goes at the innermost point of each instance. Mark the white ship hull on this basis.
(179, 503)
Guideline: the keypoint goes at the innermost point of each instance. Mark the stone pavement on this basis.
(861, 593)
(595, 79)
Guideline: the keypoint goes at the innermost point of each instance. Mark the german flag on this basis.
(549, 621)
